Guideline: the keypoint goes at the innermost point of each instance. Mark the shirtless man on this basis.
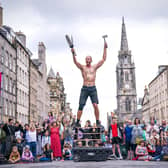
(89, 88)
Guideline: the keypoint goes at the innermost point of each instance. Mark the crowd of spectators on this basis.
(55, 139)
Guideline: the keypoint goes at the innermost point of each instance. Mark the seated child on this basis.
(27, 155)
(48, 153)
(66, 152)
(164, 151)
(142, 152)
(19, 144)
(157, 155)
(14, 156)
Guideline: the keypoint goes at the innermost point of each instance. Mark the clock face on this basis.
(126, 86)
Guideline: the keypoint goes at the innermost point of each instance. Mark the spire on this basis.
(124, 43)
(51, 73)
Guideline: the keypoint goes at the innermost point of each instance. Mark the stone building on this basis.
(8, 72)
(43, 97)
(22, 64)
(35, 77)
(57, 95)
(155, 100)
(126, 82)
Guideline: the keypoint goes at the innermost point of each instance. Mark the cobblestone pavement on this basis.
(106, 164)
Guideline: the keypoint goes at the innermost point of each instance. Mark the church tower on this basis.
(126, 82)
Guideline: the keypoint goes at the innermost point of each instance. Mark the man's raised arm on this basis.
(100, 63)
(74, 59)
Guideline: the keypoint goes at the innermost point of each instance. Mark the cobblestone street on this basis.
(106, 164)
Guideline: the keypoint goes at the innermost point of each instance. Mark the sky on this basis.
(86, 20)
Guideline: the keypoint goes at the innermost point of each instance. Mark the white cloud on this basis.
(146, 25)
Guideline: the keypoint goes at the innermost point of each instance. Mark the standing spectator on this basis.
(18, 129)
(25, 133)
(68, 133)
(137, 134)
(55, 141)
(45, 125)
(10, 134)
(19, 144)
(39, 141)
(32, 138)
(115, 136)
(46, 139)
(2, 139)
(128, 136)
(50, 117)
(163, 126)
(151, 126)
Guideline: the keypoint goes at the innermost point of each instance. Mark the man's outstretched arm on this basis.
(74, 59)
(100, 63)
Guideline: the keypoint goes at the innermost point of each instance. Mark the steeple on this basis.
(51, 73)
(124, 43)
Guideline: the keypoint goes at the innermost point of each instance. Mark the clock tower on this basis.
(126, 82)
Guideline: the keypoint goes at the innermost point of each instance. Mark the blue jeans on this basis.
(33, 148)
(43, 159)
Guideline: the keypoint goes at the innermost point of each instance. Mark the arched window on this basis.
(128, 104)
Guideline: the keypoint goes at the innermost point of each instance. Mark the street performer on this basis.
(89, 88)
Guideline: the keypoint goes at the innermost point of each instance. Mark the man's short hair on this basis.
(10, 119)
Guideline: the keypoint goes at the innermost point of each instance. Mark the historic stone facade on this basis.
(43, 97)
(155, 101)
(35, 77)
(22, 64)
(8, 75)
(126, 82)
(57, 95)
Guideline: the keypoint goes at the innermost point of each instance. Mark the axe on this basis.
(104, 37)
(69, 41)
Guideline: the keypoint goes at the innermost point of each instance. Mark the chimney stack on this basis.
(1, 15)
(22, 37)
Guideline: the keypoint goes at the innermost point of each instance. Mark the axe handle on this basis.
(105, 41)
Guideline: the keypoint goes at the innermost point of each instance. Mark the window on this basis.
(7, 59)
(6, 83)
(128, 104)
(2, 55)
(126, 76)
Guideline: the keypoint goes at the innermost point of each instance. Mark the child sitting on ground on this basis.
(27, 154)
(14, 156)
(66, 152)
(142, 152)
(48, 153)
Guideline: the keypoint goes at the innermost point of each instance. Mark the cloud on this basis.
(87, 21)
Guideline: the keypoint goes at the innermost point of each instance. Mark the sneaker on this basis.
(113, 156)
(120, 158)
(77, 124)
(98, 123)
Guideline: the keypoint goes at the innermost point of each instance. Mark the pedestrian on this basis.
(55, 141)
(115, 137)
